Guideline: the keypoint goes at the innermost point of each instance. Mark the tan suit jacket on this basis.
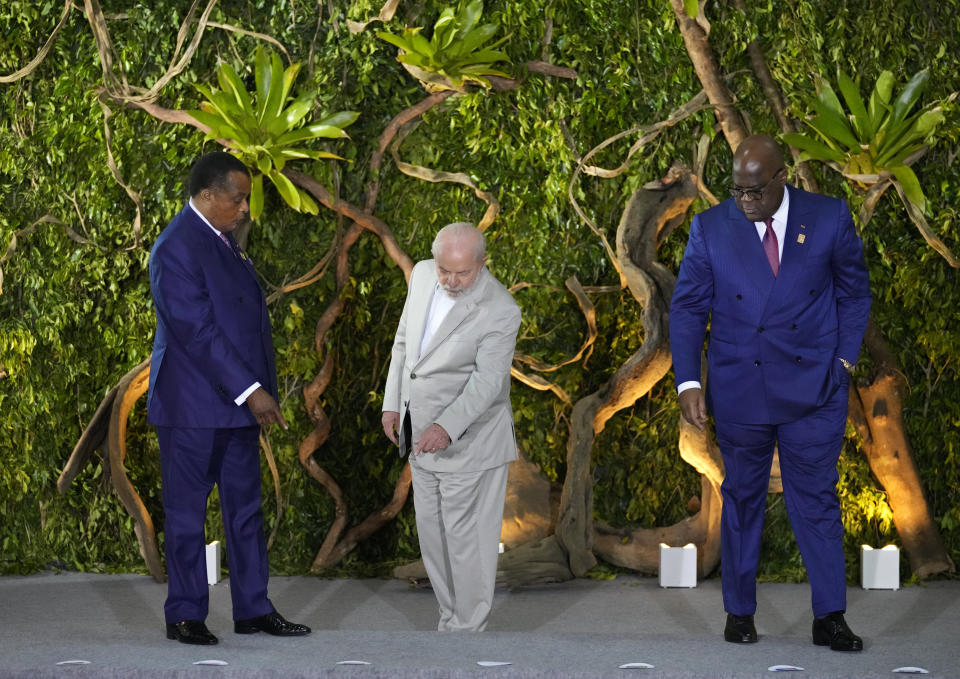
(462, 380)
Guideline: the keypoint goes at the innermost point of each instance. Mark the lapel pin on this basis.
(801, 238)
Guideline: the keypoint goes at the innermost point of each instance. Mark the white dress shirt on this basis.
(439, 308)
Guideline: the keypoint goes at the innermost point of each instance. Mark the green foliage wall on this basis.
(76, 314)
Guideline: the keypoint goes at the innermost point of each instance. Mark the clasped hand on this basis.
(435, 438)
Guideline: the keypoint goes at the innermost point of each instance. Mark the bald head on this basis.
(758, 177)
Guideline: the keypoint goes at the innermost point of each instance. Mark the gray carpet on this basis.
(585, 628)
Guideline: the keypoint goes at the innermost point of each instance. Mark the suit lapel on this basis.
(419, 308)
(242, 256)
(799, 221)
(457, 315)
(749, 249)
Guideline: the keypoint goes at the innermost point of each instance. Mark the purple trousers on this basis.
(191, 462)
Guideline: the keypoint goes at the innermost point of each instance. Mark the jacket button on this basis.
(812, 291)
(240, 299)
(793, 327)
(799, 358)
(756, 362)
(760, 329)
(413, 376)
(739, 296)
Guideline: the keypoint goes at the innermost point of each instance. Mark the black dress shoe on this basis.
(831, 630)
(190, 632)
(740, 629)
(271, 623)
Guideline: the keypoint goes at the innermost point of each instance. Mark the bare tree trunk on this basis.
(876, 410)
(772, 94)
(648, 213)
(705, 64)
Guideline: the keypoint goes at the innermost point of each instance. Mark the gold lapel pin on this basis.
(801, 238)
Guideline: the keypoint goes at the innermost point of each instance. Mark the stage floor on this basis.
(584, 628)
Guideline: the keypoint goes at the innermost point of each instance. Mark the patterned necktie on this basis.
(227, 242)
(771, 247)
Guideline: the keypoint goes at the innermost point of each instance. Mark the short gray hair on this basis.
(457, 231)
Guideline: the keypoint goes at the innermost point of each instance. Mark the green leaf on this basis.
(813, 148)
(256, 196)
(444, 30)
(230, 82)
(917, 128)
(469, 16)
(307, 203)
(340, 119)
(473, 40)
(908, 97)
(828, 98)
(421, 45)
(691, 8)
(834, 127)
(414, 59)
(880, 98)
(263, 73)
(851, 95)
(264, 160)
(911, 185)
(314, 131)
(482, 57)
(291, 116)
(286, 188)
(395, 40)
(274, 101)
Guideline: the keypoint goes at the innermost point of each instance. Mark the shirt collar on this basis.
(205, 220)
(780, 216)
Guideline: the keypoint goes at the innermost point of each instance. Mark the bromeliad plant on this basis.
(264, 131)
(874, 143)
(455, 56)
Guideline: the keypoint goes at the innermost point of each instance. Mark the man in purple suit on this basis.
(779, 273)
(212, 387)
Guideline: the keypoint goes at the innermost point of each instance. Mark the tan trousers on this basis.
(458, 520)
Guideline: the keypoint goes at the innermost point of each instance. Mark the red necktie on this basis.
(771, 248)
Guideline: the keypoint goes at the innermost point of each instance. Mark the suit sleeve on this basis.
(183, 301)
(852, 285)
(494, 355)
(391, 392)
(690, 306)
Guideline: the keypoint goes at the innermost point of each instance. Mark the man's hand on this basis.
(432, 440)
(265, 408)
(693, 407)
(391, 425)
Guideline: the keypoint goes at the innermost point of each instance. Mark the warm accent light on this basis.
(880, 568)
(678, 565)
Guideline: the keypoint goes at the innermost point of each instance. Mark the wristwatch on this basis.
(847, 365)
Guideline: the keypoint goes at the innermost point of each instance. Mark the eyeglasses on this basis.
(753, 194)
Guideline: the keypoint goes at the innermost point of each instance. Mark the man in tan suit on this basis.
(447, 402)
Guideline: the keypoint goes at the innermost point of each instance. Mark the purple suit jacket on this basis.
(213, 335)
(774, 342)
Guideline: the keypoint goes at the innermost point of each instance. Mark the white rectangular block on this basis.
(678, 566)
(880, 568)
(213, 562)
